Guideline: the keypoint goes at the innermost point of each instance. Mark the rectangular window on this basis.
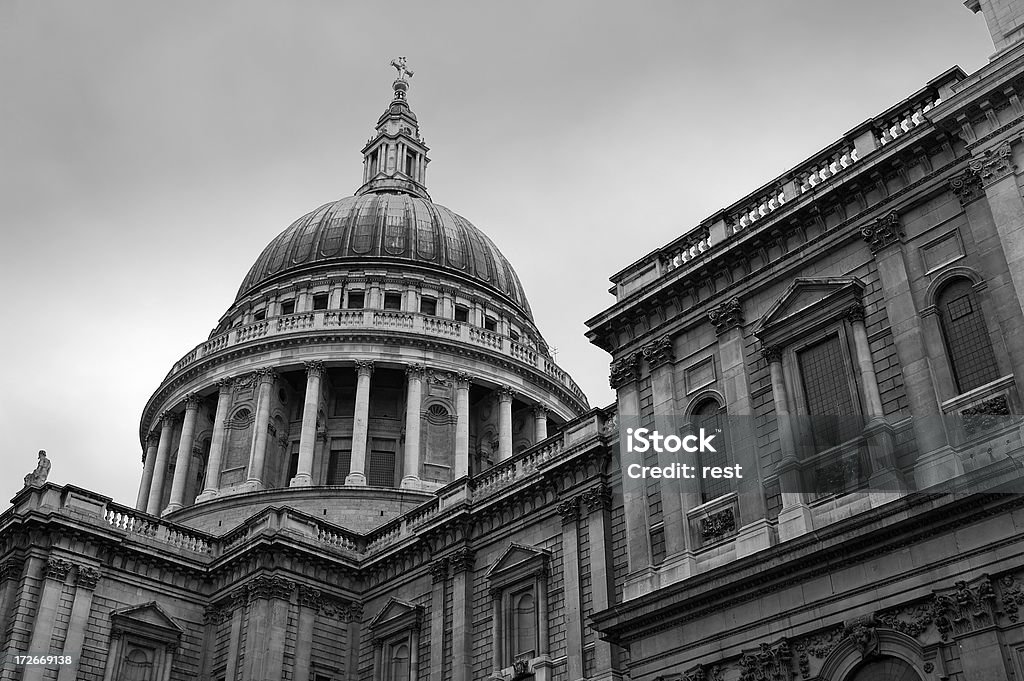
(259, 315)
(355, 300)
(340, 461)
(320, 301)
(392, 301)
(461, 313)
(490, 323)
(380, 465)
(827, 394)
(521, 622)
(288, 307)
(428, 305)
(514, 335)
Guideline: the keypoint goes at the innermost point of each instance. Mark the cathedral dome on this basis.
(387, 228)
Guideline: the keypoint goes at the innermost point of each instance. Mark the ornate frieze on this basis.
(727, 316)
(569, 510)
(994, 164)
(966, 186)
(659, 352)
(625, 370)
(767, 663)
(58, 569)
(269, 588)
(882, 232)
(986, 415)
(718, 525)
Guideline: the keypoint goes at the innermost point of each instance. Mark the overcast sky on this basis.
(150, 150)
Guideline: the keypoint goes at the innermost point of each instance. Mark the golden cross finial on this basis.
(404, 74)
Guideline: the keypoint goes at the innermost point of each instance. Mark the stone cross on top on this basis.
(404, 74)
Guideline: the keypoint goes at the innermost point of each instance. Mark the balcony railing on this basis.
(383, 320)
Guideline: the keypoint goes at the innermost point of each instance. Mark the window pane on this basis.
(827, 391)
(524, 625)
(355, 300)
(967, 340)
(708, 416)
(380, 465)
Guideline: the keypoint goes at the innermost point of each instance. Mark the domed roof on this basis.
(390, 229)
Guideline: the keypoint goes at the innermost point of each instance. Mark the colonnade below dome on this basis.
(408, 427)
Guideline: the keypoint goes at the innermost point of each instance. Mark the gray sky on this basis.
(149, 151)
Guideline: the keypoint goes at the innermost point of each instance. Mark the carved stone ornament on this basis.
(597, 498)
(659, 352)
(994, 163)
(726, 316)
(966, 186)
(58, 568)
(167, 418)
(192, 401)
(265, 375)
(462, 560)
(505, 394)
(314, 368)
(310, 597)
(520, 669)
(462, 380)
(986, 415)
(415, 371)
(855, 313)
(625, 370)
(863, 632)
(569, 510)
(38, 477)
(225, 385)
(364, 367)
(771, 353)
(87, 578)
(882, 232)
(152, 440)
(10, 569)
(768, 662)
(439, 570)
(269, 588)
(718, 525)
(958, 611)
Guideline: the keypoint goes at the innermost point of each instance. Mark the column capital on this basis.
(439, 570)
(310, 597)
(966, 186)
(415, 371)
(152, 440)
(855, 313)
(192, 401)
(167, 418)
(597, 498)
(883, 232)
(505, 393)
(569, 510)
(659, 352)
(624, 370)
(58, 569)
(462, 560)
(727, 316)
(266, 375)
(364, 367)
(771, 353)
(87, 577)
(540, 411)
(461, 380)
(994, 163)
(225, 385)
(314, 368)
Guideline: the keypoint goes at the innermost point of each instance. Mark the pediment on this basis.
(805, 296)
(515, 557)
(148, 618)
(394, 610)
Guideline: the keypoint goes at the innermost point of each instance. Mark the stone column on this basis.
(540, 423)
(307, 438)
(996, 169)
(413, 403)
(438, 579)
(85, 583)
(936, 462)
(258, 453)
(56, 571)
(267, 627)
(163, 452)
(497, 654)
(218, 442)
(184, 457)
(461, 562)
(641, 577)
(461, 425)
(597, 505)
(795, 517)
(149, 465)
(570, 512)
(309, 604)
(354, 623)
(360, 423)
(504, 422)
(754, 532)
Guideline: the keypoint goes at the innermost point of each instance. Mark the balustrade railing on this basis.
(136, 522)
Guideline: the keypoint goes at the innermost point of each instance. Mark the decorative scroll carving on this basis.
(415, 371)
(625, 370)
(462, 560)
(270, 588)
(310, 597)
(882, 232)
(771, 353)
(266, 375)
(774, 663)
(439, 570)
(10, 569)
(994, 163)
(855, 313)
(217, 614)
(569, 510)
(314, 368)
(461, 380)
(353, 612)
(192, 401)
(505, 393)
(659, 352)
(862, 631)
(540, 411)
(58, 568)
(38, 477)
(87, 577)
(718, 525)
(726, 316)
(958, 611)
(986, 415)
(364, 367)
(966, 186)
(520, 669)
(597, 498)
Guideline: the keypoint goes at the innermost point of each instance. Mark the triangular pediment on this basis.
(516, 556)
(394, 609)
(804, 294)
(150, 614)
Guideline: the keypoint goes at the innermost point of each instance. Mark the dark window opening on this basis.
(288, 307)
(428, 305)
(490, 323)
(708, 416)
(259, 315)
(827, 392)
(392, 301)
(514, 335)
(461, 313)
(968, 343)
(340, 461)
(380, 464)
(356, 300)
(320, 301)
(293, 463)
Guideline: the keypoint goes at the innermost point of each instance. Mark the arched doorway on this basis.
(884, 669)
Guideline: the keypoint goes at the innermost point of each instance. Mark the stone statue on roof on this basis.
(37, 477)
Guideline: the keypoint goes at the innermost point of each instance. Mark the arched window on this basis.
(708, 415)
(968, 344)
(888, 668)
(398, 665)
(524, 625)
(138, 665)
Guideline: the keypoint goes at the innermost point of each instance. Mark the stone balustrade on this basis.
(383, 320)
